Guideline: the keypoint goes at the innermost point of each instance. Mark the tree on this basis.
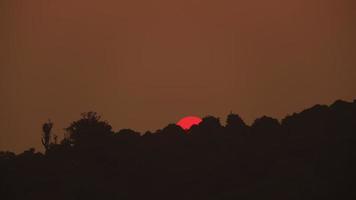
(88, 130)
(173, 130)
(209, 126)
(211, 123)
(46, 135)
(234, 123)
(265, 123)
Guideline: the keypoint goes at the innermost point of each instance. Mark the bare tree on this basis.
(46, 135)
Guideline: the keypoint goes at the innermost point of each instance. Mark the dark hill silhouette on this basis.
(308, 155)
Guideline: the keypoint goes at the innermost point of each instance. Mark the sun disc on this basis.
(187, 122)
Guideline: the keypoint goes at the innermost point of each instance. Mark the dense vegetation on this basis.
(309, 155)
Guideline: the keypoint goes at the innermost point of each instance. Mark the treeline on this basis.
(308, 155)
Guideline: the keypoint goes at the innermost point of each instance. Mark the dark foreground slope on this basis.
(310, 155)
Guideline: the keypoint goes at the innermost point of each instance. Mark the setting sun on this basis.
(188, 122)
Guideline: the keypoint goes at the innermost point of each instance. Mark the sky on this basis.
(143, 64)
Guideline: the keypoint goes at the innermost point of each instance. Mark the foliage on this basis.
(309, 155)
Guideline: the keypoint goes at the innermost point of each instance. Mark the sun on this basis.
(188, 122)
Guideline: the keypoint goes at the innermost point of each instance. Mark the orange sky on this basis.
(143, 64)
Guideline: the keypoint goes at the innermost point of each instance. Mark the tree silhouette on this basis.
(88, 130)
(128, 133)
(309, 155)
(46, 135)
(173, 130)
(266, 124)
(235, 125)
(234, 121)
(209, 126)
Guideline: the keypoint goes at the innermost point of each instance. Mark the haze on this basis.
(143, 64)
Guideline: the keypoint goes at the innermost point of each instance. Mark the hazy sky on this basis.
(145, 63)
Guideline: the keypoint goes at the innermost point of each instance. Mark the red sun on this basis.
(188, 122)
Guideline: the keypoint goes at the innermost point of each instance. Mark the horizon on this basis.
(222, 122)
